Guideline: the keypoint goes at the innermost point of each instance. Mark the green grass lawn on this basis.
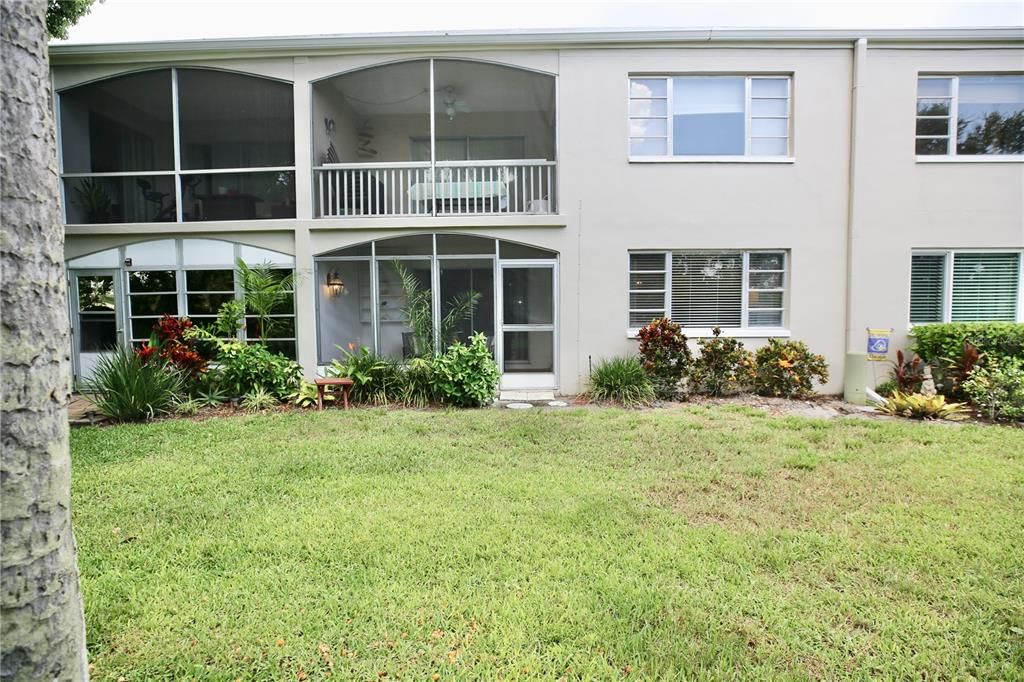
(586, 544)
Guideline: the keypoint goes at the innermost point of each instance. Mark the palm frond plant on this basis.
(265, 289)
(418, 310)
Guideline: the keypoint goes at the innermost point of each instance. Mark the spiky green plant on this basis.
(621, 380)
(918, 406)
(259, 399)
(127, 388)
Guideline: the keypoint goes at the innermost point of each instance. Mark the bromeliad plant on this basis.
(665, 356)
(917, 406)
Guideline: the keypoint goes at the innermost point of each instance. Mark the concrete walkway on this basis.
(82, 411)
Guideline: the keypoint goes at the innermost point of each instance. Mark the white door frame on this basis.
(75, 317)
(526, 380)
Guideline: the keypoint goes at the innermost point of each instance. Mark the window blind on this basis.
(707, 288)
(927, 287)
(646, 287)
(985, 286)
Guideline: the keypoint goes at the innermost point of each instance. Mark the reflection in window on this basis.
(238, 196)
(709, 116)
(985, 114)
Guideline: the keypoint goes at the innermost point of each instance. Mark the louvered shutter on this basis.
(707, 288)
(646, 288)
(927, 287)
(985, 287)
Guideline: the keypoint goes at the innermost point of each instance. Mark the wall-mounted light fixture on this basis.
(335, 285)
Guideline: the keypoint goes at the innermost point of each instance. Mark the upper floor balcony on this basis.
(434, 137)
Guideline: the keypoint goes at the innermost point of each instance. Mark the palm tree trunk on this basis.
(43, 632)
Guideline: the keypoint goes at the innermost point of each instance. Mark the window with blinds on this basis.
(985, 287)
(927, 288)
(707, 288)
(965, 286)
(704, 289)
(647, 289)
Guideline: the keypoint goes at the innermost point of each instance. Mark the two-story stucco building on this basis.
(804, 184)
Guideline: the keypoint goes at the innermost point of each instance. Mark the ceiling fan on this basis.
(453, 105)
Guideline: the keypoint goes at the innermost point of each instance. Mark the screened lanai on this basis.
(411, 295)
(434, 136)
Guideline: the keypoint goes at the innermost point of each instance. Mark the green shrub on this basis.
(997, 388)
(787, 369)
(722, 367)
(887, 387)
(375, 380)
(917, 406)
(1001, 340)
(130, 388)
(245, 367)
(307, 395)
(259, 399)
(466, 375)
(621, 380)
(665, 356)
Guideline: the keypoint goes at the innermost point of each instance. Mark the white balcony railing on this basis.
(444, 189)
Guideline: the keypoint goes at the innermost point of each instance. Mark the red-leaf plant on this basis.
(169, 343)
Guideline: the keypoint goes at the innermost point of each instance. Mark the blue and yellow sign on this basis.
(878, 344)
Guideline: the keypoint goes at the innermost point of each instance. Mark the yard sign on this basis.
(878, 344)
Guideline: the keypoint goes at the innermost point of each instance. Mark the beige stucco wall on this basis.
(901, 204)
(799, 206)
(609, 205)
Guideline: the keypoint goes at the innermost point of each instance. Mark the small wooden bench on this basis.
(323, 382)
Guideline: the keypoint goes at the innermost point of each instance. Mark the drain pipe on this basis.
(855, 369)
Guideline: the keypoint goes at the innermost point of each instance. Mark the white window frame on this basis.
(951, 131)
(746, 157)
(744, 330)
(949, 256)
(178, 173)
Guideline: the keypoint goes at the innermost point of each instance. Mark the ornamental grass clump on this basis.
(621, 380)
(129, 388)
(665, 357)
(787, 369)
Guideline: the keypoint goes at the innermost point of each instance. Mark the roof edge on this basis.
(65, 52)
